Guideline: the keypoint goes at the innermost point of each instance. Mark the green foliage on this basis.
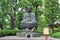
(19, 18)
(6, 32)
(51, 10)
(56, 35)
(57, 29)
(6, 8)
(41, 23)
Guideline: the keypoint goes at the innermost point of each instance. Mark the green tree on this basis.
(51, 10)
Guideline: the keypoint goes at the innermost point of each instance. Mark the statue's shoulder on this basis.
(33, 13)
(25, 13)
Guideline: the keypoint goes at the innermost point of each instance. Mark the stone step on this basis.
(23, 34)
(26, 39)
(23, 38)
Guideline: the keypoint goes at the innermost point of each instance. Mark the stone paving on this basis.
(21, 38)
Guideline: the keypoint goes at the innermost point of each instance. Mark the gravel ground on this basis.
(22, 38)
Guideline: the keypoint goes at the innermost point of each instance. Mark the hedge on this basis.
(8, 32)
(56, 35)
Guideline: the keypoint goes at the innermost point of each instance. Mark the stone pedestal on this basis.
(28, 25)
(28, 35)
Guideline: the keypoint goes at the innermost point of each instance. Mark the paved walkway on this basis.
(21, 38)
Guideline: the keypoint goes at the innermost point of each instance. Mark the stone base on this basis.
(28, 35)
(28, 25)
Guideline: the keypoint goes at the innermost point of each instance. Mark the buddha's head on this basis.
(29, 9)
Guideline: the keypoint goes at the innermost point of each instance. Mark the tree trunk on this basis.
(12, 22)
(2, 23)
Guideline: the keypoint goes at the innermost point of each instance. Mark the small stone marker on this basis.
(46, 32)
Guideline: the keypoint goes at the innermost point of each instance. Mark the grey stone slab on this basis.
(23, 38)
(23, 34)
(31, 34)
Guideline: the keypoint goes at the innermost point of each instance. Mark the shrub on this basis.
(57, 29)
(57, 35)
(8, 32)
